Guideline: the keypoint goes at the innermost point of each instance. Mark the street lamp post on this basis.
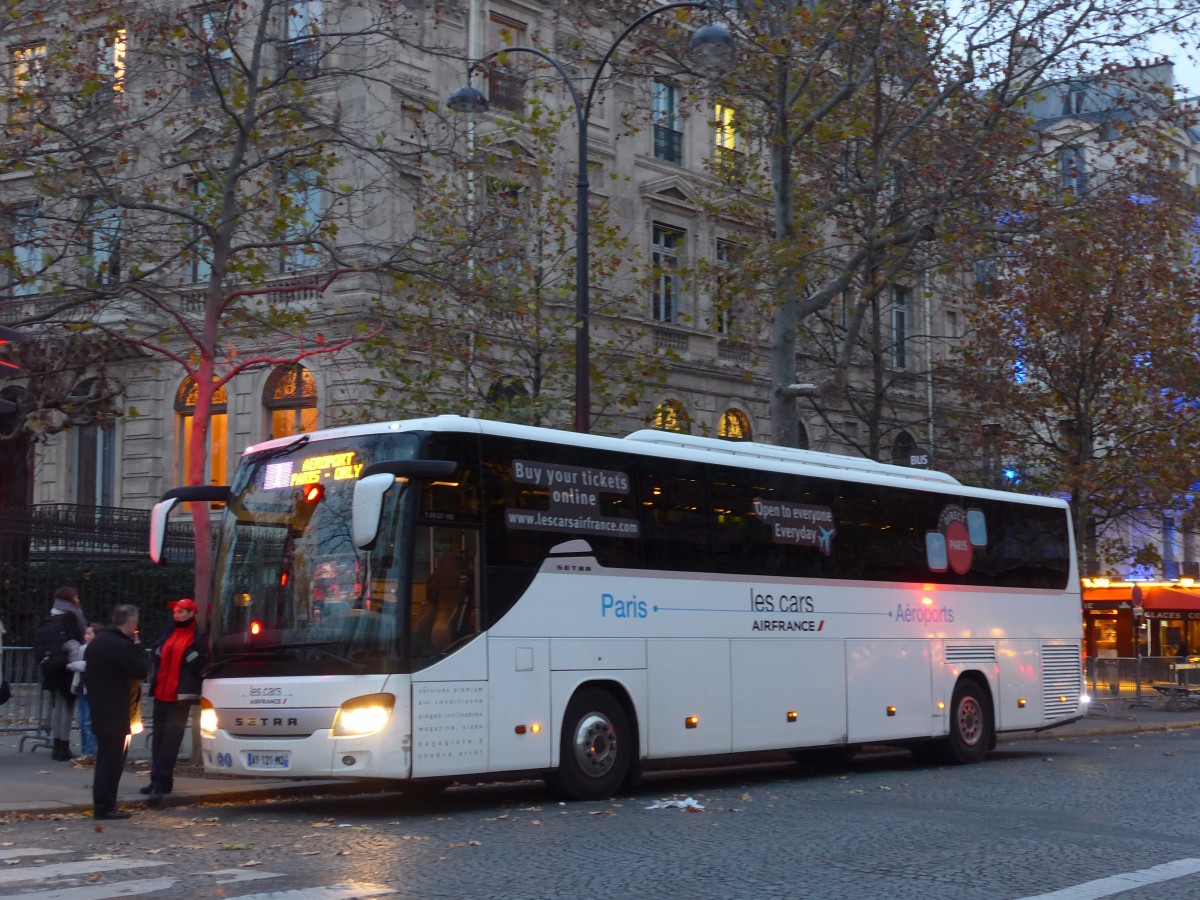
(713, 40)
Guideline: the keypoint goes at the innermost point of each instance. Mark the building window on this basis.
(1072, 164)
(95, 462)
(28, 84)
(290, 398)
(725, 317)
(198, 253)
(212, 60)
(902, 449)
(218, 431)
(899, 318)
(668, 246)
(671, 416)
(25, 233)
(728, 139)
(102, 253)
(505, 79)
(110, 68)
(802, 440)
(668, 136)
(734, 426)
(301, 38)
(300, 206)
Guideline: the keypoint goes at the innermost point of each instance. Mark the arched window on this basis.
(671, 416)
(802, 441)
(734, 426)
(902, 449)
(290, 398)
(218, 431)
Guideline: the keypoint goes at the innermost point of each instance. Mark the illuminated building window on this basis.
(728, 142)
(218, 432)
(671, 416)
(290, 399)
(110, 67)
(734, 426)
(28, 66)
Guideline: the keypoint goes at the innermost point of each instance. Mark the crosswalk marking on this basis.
(64, 870)
(229, 876)
(1126, 881)
(28, 865)
(327, 892)
(103, 891)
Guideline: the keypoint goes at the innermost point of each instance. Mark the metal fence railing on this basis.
(1152, 681)
(28, 710)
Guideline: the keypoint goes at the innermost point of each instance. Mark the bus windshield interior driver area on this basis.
(442, 598)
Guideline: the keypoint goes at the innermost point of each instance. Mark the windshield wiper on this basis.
(250, 465)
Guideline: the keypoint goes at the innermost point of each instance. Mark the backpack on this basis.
(48, 647)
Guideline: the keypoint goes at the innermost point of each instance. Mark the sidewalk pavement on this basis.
(30, 782)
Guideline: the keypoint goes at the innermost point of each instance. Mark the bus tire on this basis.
(596, 751)
(971, 727)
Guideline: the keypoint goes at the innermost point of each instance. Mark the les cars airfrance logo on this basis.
(952, 546)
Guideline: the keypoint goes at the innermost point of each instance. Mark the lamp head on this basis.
(467, 99)
(712, 44)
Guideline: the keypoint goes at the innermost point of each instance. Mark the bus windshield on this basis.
(293, 592)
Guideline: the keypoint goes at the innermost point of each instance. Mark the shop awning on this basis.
(1164, 597)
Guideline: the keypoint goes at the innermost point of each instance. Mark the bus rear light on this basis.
(792, 715)
(891, 710)
(256, 627)
(208, 718)
(691, 721)
(363, 715)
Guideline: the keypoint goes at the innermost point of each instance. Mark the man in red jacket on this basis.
(115, 671)
(179, 658)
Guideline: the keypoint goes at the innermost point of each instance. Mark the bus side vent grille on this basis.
(981, 653)
(1062, 681)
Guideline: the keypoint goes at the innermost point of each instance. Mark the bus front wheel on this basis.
(596, 750)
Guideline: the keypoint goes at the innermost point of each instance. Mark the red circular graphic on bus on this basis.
(959, 551)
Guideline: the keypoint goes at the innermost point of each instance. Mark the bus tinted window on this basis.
(676, 516)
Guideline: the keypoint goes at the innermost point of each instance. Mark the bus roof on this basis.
(787, 454)
(697, 449)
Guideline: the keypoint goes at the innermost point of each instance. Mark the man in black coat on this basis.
(116, 668)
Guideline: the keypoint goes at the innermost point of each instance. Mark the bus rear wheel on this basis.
(972, 732)
(971, 726)
(596, 750)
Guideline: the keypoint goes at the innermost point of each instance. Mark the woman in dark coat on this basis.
(116, 668)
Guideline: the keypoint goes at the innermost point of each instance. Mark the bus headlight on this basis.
(208, 718)
(363, 715)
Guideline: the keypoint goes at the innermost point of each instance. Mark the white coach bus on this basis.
(448, 598)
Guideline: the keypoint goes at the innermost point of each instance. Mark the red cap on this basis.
(185, 603)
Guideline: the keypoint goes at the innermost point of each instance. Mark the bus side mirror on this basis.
(368, 507)
(374, 483)
(205, 493)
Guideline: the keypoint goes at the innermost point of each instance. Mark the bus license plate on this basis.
(267, 760)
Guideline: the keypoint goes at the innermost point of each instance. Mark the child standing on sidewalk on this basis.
(78, 665)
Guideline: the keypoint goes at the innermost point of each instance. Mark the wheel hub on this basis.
(595, 745)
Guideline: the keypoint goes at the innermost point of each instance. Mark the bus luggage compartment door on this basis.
(889, 690)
